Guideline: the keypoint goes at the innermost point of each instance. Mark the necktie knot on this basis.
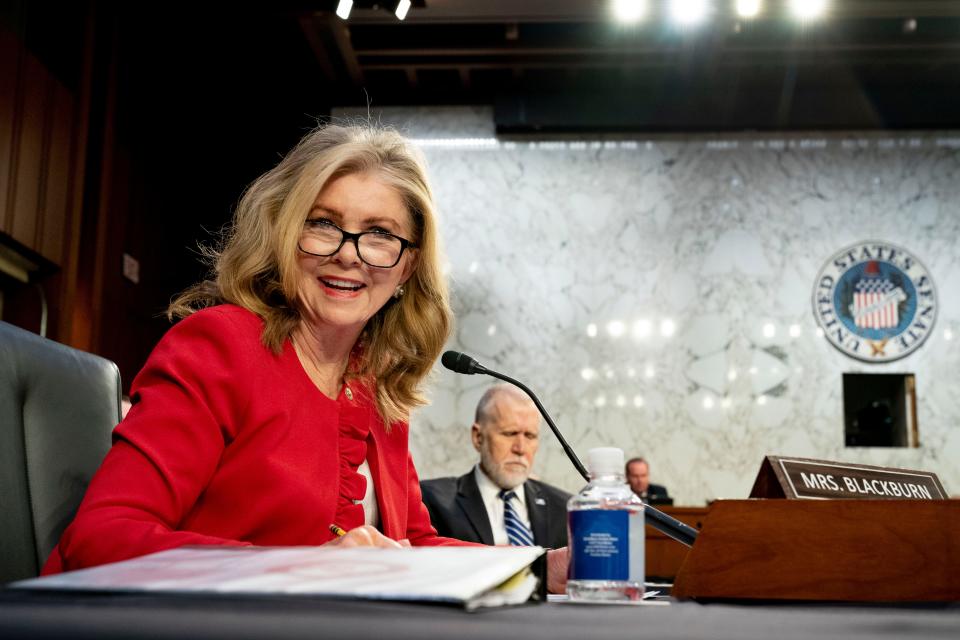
(507, 495)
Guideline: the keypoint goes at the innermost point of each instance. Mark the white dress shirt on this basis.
(490, 493)
(371, 514)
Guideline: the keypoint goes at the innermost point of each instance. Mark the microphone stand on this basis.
(679, 531)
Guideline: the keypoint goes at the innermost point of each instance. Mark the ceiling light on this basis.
(615, 328)
(343, 8)
(688, 12)
(808, 9)
(629, 10)
(667, 327)
(641, 328)
(402, 7)
(748, 8)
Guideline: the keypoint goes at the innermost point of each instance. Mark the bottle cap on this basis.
(605, 461)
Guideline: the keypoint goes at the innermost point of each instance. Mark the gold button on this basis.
(348, 393)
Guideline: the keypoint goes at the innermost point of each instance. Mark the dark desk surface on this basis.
(47, 615)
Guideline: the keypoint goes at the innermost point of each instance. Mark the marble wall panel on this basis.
(656, 294)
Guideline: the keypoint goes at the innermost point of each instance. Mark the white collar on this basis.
(490, 491)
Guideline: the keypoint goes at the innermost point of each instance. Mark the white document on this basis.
(471, 576)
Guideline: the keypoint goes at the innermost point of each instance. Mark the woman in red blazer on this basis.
(277, 407)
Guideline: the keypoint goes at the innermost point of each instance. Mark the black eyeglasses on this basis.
(376, 248)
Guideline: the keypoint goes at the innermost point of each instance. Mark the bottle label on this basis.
(600, 544)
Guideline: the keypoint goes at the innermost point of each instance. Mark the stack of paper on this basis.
(471, 576)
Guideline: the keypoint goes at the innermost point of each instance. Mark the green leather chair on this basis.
(58, 407)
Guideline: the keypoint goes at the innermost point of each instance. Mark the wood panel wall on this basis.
(37, 160)
(43, 146)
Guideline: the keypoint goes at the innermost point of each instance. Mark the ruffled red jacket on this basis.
(230, 444)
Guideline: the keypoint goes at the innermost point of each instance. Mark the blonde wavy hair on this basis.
(255, 266)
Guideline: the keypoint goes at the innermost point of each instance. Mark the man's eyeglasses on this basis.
(376, 248)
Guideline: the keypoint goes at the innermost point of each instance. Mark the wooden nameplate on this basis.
(806, 478)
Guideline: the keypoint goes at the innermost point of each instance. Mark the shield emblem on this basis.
(876, 300)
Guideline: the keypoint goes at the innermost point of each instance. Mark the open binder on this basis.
(471, 577)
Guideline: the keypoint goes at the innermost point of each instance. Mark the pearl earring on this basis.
(398, 293)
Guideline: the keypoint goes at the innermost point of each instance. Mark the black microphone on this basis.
(462, 363)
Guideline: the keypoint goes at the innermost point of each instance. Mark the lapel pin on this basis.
(540, 501)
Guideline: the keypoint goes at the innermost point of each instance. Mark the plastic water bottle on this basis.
(606, 532)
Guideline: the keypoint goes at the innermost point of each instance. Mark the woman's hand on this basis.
(557, 562)
(366, 536)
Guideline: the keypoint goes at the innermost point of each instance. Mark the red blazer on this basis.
(228, 443)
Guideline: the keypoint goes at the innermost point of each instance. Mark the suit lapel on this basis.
(471, 503)
(538, 512)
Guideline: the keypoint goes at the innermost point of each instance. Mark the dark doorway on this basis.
(879, 410)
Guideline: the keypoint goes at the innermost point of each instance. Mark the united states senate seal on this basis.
(875, 301)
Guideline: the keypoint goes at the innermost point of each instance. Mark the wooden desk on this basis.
(875, 551)
(665, 555)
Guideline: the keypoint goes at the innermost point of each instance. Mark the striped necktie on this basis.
(518, 533)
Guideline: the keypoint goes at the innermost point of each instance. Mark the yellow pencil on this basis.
(337, 531)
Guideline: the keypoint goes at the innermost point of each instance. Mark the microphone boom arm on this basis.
(546, 416)
(668, 525)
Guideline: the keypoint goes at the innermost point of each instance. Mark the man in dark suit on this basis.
(638, 475)
(496, 502)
